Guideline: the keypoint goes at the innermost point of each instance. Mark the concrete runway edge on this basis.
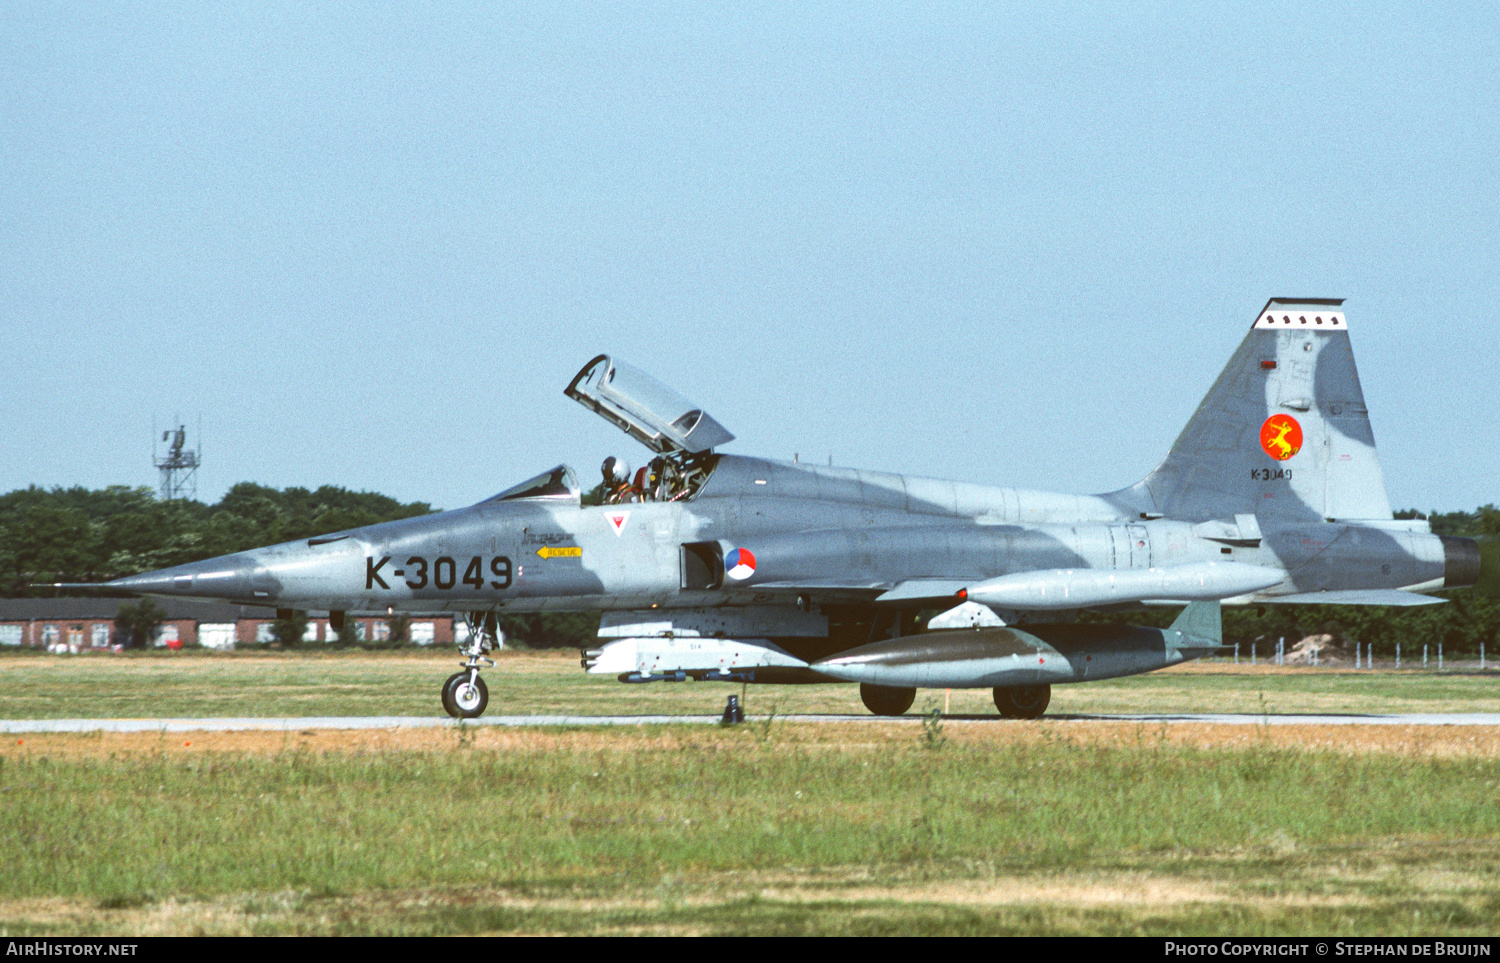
(19, 726)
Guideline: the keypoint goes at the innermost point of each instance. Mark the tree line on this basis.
(83, 535)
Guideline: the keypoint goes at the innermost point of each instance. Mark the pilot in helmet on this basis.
(616, 478)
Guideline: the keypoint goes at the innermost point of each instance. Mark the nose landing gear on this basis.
(465, 696)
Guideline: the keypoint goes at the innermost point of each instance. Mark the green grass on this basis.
(738, 832)
(771, 828)
(1224, 688)
(159, 685)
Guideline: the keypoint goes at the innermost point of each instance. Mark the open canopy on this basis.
(653, 414)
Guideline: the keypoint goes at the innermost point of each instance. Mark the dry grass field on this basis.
(945, 825)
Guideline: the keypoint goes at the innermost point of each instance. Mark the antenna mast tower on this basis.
(179, 470)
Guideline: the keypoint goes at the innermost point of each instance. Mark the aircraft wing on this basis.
(924, 588)
(1045, 589)
(1354, 597)
(940, 590)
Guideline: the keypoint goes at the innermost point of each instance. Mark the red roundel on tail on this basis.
(1281, 436)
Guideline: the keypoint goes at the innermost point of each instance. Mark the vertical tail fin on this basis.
(1283, 433)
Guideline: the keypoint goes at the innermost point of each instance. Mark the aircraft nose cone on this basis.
(228, 577)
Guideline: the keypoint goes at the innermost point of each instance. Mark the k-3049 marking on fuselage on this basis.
(444, 573)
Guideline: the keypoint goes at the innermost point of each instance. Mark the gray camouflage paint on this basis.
(823, 536)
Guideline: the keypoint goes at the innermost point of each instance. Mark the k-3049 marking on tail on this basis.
(716, 566)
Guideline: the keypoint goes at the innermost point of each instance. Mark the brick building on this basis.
(82, 625)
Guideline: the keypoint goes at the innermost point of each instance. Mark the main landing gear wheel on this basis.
(1022, 701)
(883, 700)
(465, 699)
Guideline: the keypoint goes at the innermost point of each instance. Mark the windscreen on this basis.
(554, 483)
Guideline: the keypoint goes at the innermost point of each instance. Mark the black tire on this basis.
(448, 685)
(1022, 701)
(463, 701)
(883, 700)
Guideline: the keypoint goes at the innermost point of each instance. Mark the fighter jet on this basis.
(714, 566)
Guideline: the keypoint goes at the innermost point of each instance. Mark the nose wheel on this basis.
(465, 696)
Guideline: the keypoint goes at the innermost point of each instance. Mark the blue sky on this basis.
(369, 244)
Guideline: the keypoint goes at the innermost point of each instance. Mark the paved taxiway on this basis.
(432, 722)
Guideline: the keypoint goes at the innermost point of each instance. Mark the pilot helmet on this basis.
(616, 470)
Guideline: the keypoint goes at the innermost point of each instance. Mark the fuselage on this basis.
(813, 535)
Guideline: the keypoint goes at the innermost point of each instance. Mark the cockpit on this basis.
(681, 434)
(671, 477)
(667, 478)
